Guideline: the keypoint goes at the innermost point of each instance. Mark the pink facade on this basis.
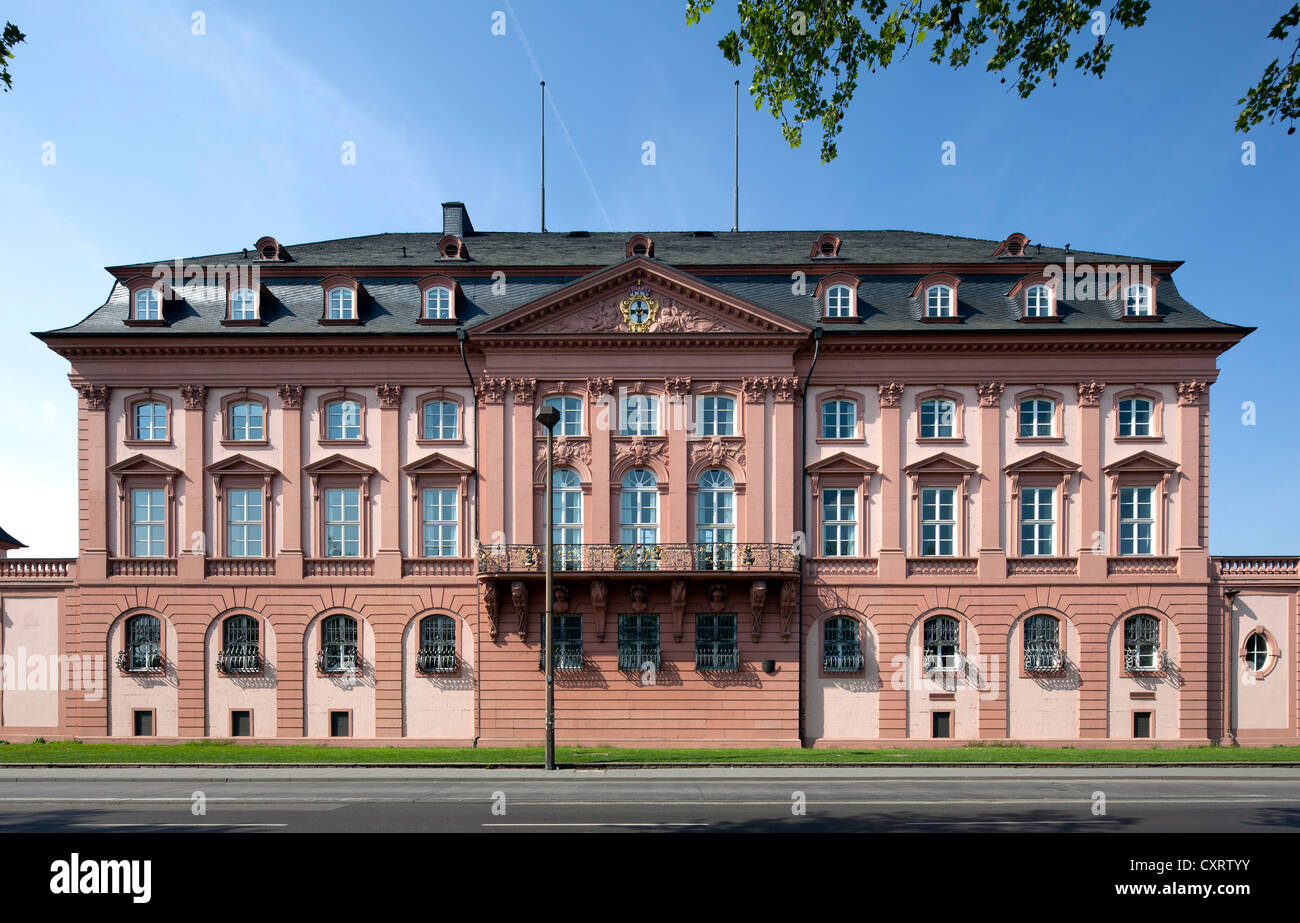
(785, 515)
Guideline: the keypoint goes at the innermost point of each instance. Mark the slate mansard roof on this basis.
(754, 266)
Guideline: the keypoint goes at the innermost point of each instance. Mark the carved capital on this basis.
(677, 387)
(390, 396)
(891, 392)
(990, 393)
(786, 389)
(491, 390)
(755, 389)
(598, 386)
(290, 396)
(1192, 392)
(1090, 393)
(195, 396)
(95, 396)
(523, 389)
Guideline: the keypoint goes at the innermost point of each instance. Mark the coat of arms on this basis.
(639, 310)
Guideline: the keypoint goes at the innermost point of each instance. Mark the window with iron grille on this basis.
(1042, 644)
(715, 642)
(1142, 644)
(841, 650)
(339, 644)
(566, 638)
(437, 652)
(942, 637)
(638, 641)
(240, 645)
(143, 644)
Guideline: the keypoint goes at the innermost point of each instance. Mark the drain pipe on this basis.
(803, 506)
(1229, 674)
(462, 338)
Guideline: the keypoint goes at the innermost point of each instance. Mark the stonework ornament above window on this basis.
(1192, 392)
(390, 396)
(290, 396)
(990, 393)
(492, 390)
(1090, 393)
(95, 396)
(196, 396)
(891, 393)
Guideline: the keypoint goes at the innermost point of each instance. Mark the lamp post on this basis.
(548, 417)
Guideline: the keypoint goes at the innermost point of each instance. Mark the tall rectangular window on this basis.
(1135, 417)
(566, 636)
(439, 522)
(1137, 520)
(151, 421)
(343, 522)
(1036, 418)
(938, 521)
(640, 415)
(717, 416)
(638, 641)
(938, 419)
(148, 523)
(839, 419)
(244, 523)
(715, 642)
(343, 420)
(440, 419)
(1037, 520)
(570, 411)
(246, 422)
(839, 521)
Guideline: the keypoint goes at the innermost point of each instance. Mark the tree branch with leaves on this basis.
(8, 39)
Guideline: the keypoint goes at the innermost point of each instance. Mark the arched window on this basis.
(639, 519)
(338, 649)
(1137, 301)
(437, 652)
(566, 508)
(938, 419)
(243, 304)
(343, 420)
(142, 651)
(1135, 415)
(715, 520)
(440, 420)
(1038, 301)
(1037, 417)
(941, 637)
(147, 305)
(841, 650)
(839, 419)
(570, 410)
(1042, 644)
(1142, 652)
(437, 303)
(716, 416)
(938, 301)
(149, 421)
(839, 301)
(1257, 652)
(240, 645)
(342, 304)
(247, 421)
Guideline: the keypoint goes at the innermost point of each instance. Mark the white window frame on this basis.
(248, 504)
(1040, 519)
(344, 428)
(639, 415)
(837, 423)
(1130, 506)
(1036, 422)
(445, 524)
(339, 519)
(844, 529)
(1137, 301)
(839, 300)
(155, 525)
(937, 425)
(152, 307)
(1039, 301)
(939, 300)
(439, 431)
(1127, 411)
(438, 303)
(709, 414)
(342, 307)
(935, 524)
(243, 304)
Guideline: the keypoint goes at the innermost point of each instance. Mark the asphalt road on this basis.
(1217, 799)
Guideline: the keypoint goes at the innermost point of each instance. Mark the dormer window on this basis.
(1137, 301)
(146, 305)
(939, 301)
(839, 301)
(1013, 246)
(268, 248)
(437, 303)
(342, 300)
(1038, 301)
(826, 247)
(342, 305)
(640, 245)
(243, 304)
(451, 247)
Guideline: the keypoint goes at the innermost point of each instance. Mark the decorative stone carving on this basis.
(677, 604)
(638, 450)
(599, 594)
(639, 596)
(717, 597)
(491, 390)
(789, 603)
(755, 389)
(523, 389)
(519, 597)
(600, 386)
(891, 392)
(95, 396)
(567, 451)
(491, 605)
(990, 393)
(290, 396)
(390, 396)
(757, 595)
(786, 389)
(560, 598)
(1192, 392)
(1090, 393)
(677, 387)
(607, 316)
(714, 452)
(195, 396)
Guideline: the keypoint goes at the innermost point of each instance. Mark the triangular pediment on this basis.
(1142, 463)
(679, 304)
(237, 465)
(1042, 462)
(144, 465)
(437, 463)
(338, 464)
(942, 463)
(842, 463)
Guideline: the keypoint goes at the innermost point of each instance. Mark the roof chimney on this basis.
(455, 220)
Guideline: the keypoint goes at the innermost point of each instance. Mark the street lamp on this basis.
(548, 416)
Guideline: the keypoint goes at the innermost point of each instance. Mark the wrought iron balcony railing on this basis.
(675, 558)
(339, 661)
(140, 660)
(842, 658)
(1043, 657)
(440, 658)
(722, 658)
(568, 657)
(240, 658)
(635, 658)
(945, 663)
(1143, 659)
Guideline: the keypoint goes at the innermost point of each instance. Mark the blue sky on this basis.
(168, 143)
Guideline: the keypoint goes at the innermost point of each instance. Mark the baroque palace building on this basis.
(866, 488)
